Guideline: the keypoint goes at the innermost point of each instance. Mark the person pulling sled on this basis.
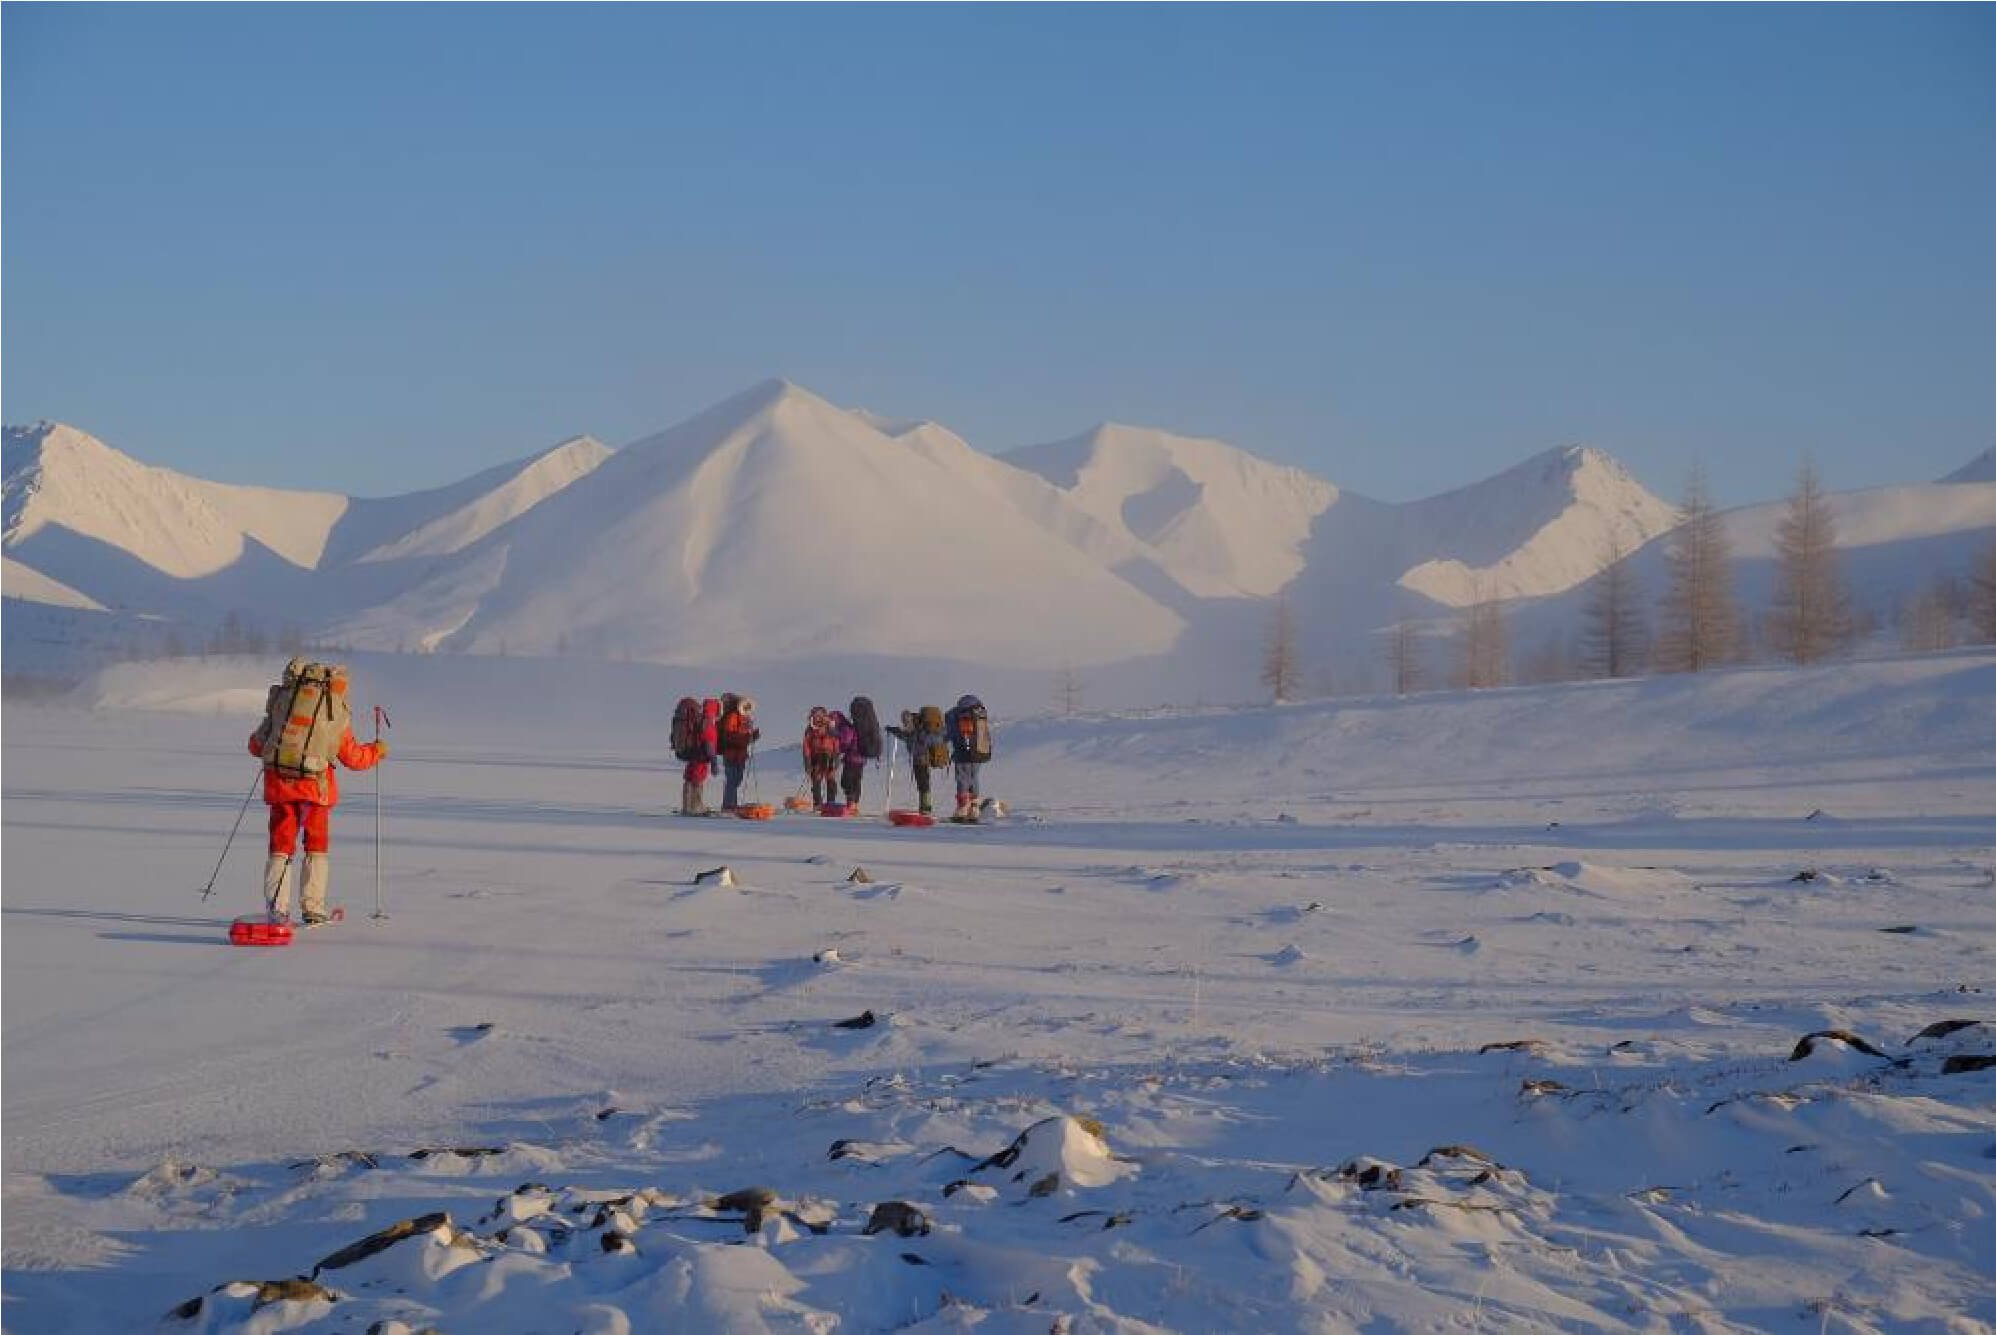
(823, 754)
(307, 731)
(738, 734)
(921, 731)
(861, 741)
(696, 741)
(969, 729)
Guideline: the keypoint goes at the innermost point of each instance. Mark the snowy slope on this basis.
(1506, 1010)
(125, 534)
(1222, 521)
(776, 524)
(455, 518)
(58, 477)
(1539, 528)
(34, 587)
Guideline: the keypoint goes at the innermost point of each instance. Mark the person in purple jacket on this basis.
(852, 759)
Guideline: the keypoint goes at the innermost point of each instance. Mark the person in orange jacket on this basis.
(738, 735)
(305, 805)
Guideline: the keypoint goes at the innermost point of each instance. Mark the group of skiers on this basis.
(307, 733)
(837, 747)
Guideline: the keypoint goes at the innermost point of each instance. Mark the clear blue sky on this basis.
(377, 247)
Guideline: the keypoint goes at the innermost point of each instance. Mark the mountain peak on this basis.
(1982, 468)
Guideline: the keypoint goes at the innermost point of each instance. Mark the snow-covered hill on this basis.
(776, 527)
(1533, 530)
(1892, 543)
(776, 524)
(1982, 468)
(1221, 521)
(60, 478)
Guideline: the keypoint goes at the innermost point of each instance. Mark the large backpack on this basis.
(867, 724)
(306, 717)
(687, 743)
(970, 732)
(932, 739)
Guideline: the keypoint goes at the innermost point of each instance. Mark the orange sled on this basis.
(796, 802)
(755, 811)
(901, 817)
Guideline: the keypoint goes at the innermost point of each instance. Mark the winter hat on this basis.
(729, 700)
(969, 702)
(711, 708)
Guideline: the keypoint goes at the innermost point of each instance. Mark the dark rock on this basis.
(462, 1151)
(374, 1243)
(1046, 1186)
(1807, 1044)
(1963, 1063)
(902, 1218)
(1513, 1045)
(1942, 1028)
(863, 1020)
(298, 1290)
(753, 1202)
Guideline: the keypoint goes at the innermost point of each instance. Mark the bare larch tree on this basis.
(1067, 691)
(1612, 637)
(1403, 657)
(1982, 597)
(1484, 652)
(1280, 670)
(1810, 618)
(1700, 618)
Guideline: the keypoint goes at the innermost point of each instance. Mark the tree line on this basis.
(1697, 623)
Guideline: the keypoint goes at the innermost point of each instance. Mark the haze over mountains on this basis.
(776, 526)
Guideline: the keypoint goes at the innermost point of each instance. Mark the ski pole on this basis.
(380, 718)
(209, 889)
(893, 749)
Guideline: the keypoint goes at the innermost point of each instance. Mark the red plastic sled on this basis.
(832, 809)
(257, 932)
(901, 817)
(262, 932)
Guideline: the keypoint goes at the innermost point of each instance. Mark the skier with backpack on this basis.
(921, 731)
(737, 733)
(969, 730)
(696, 741)
(823, 752)
(862, 739)
(307, 730)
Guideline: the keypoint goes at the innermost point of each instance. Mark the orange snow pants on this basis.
(287, 817)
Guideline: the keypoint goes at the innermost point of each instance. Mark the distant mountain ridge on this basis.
(776, 525)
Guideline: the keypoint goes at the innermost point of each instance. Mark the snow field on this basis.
(1458, 1009)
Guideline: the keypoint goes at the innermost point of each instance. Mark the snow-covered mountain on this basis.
(1982, 468)
(89, 522)
(1221, 521)
(1537, 529)
(777, 525)
(777, 528)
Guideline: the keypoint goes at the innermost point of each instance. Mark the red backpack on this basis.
(687, 743)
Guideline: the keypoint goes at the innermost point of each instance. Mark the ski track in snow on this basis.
(1485, 1012)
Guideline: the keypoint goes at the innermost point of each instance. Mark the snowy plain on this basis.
(1461, 1010)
